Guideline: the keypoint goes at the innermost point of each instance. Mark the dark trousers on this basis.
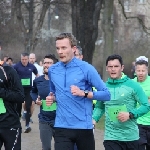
(144, 141)
(11, 138)
(46, 133)
(28, 103)
(120, 145)
(66, 138)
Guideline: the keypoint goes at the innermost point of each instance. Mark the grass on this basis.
(101, 124)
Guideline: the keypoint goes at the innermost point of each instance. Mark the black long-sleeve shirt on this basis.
(11, 91)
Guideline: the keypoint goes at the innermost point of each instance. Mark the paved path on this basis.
(31, 141)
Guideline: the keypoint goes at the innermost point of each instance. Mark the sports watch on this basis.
(131, 115)
(86, 93)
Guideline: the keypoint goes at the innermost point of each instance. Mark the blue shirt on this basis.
(75, 112)
(25, 72)
(41, 87)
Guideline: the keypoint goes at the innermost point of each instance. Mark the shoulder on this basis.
(133, 84)
(37, 66)
(9, 69)
(56, 65)
(83, 64)
(31, 66)
(40, 78)
(148, 78)
(17, 65)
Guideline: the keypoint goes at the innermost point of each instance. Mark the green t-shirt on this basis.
(145, 119)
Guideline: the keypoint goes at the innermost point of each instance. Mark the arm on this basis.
(95, 80)
(34, 90)
(14, 91)
(98, 111)
(142, 100)
(51, 85)
(35, 71)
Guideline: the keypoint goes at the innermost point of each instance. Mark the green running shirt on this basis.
(145, 119)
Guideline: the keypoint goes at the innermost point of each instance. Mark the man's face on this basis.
(5, 58)
(9, 62)
(64, 50)
(141, 72)
(114, 69)
(46, 64)
(32, 59)
(24, 60)
(78, 55)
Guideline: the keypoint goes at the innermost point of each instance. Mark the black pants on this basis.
(11, 138)
(28, 103)
(66, 138)
(120, 145)
(144, 141)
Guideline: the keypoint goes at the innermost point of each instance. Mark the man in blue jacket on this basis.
(71, 82)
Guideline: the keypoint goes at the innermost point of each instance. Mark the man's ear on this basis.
(74, 49)
(106, 68)
(81, 56)
(122, 67)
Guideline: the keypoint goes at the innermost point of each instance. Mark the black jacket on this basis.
(11, 91)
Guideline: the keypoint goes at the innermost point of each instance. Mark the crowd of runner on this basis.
(72, 98)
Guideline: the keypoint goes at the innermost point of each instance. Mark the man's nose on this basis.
(59, 51)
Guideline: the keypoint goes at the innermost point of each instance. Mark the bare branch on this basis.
(145, 28)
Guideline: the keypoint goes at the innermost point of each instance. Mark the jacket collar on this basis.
(70, 63)
(121, 80)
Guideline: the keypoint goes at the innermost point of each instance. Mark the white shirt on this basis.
(39, 69)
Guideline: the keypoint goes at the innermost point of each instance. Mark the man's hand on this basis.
(76, 91)
(38, 101)
(50, 99)
(123, 116)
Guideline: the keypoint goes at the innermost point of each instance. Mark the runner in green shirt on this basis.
(141, 69)
(121, 130)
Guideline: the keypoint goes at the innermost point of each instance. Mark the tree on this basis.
(85, 17)
(32, 23)
(107, 27)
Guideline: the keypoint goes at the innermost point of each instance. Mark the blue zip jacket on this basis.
(41, 87)
(75, 112)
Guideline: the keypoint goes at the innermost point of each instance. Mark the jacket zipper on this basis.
(65, 76)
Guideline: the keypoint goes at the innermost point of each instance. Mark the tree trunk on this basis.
(33, 27)
(29, 31)
(85, 16)
(13, 10)
(107, 26)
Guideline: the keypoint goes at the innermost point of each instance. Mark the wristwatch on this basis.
(86, 93)
(131, 115)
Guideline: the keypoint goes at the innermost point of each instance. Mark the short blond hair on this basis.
(72, 38)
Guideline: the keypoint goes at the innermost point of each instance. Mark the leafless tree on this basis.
(85, 17)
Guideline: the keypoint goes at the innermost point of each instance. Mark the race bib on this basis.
(25, 81)
(48, 108)
(2, 106)
(113, 111)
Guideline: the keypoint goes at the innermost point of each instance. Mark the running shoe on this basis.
(27, 130)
